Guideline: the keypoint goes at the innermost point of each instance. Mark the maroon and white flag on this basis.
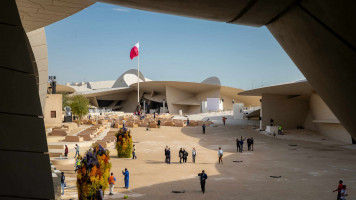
(134, 51)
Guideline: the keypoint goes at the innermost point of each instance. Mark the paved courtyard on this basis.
(308, 170)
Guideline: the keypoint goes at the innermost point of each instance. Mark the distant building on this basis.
(160, 96)
(53, 110)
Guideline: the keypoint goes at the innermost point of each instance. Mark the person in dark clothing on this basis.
(224, 120)
(180, 155)
(242, 144)
(100, 193)
(237, 144)
(251, 143)
(166, 154)
(159, 123)
(63, 178)
(185, 156)
(203, 178)
(248, 144)
(203, 128)
(169, 156)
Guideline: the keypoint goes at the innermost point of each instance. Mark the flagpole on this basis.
(138, 79)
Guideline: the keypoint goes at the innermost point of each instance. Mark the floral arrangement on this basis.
(124, 143)
(93, 172)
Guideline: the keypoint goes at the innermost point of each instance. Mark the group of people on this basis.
(240, 144)
(167, 153)
(183, 155)
(341, 191)
(112, 180)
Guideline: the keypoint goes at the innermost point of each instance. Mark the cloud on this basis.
(121, 10)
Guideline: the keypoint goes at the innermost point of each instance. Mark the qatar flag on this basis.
(134, 51)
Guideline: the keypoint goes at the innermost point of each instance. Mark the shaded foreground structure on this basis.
(317, 35)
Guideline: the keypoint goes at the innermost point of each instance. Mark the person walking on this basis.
(166, 154)
(237, 144)
(63, 178)
(123, 124)
(77, 164)
(66, 151)
(194, 153)
(159, 123)
(242, 144)
(220, 154)
(126, 179)
(185, 156)
(203, 128)
(112, 180)
(224, 120)
(248, 144)
(203, 178)
(252, 141)
(134, 152)
(180, 155)
(169, 156)
(338, 189)
(343, 194)
(187, 121)
(100, 193)
(76, 150)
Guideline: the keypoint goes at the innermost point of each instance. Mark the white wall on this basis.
(320, 112)
(238, 111)
(285, 111)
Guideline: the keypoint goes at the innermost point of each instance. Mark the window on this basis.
(53, 114)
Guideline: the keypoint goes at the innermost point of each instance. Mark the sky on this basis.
(94, 45)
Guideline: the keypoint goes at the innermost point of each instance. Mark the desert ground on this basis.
(310, 166)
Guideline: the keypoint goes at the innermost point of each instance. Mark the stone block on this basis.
(87, 137)
(179, 124)
(192, 124)
(169, 123)
(111, 133)
(143, 124)
(200, 123)
(103, 122)
(59, 132)
(73, 139)
(153, 125)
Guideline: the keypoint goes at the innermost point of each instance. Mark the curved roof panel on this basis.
(36, 14)
(212, 81)
(128, 78)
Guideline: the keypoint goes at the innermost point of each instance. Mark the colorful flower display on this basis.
(124, 143)
(93, 172)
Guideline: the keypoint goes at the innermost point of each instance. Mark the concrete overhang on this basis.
(160, 86)
(246, 12)
(64, 89)
(295, 88)
(36, 14)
